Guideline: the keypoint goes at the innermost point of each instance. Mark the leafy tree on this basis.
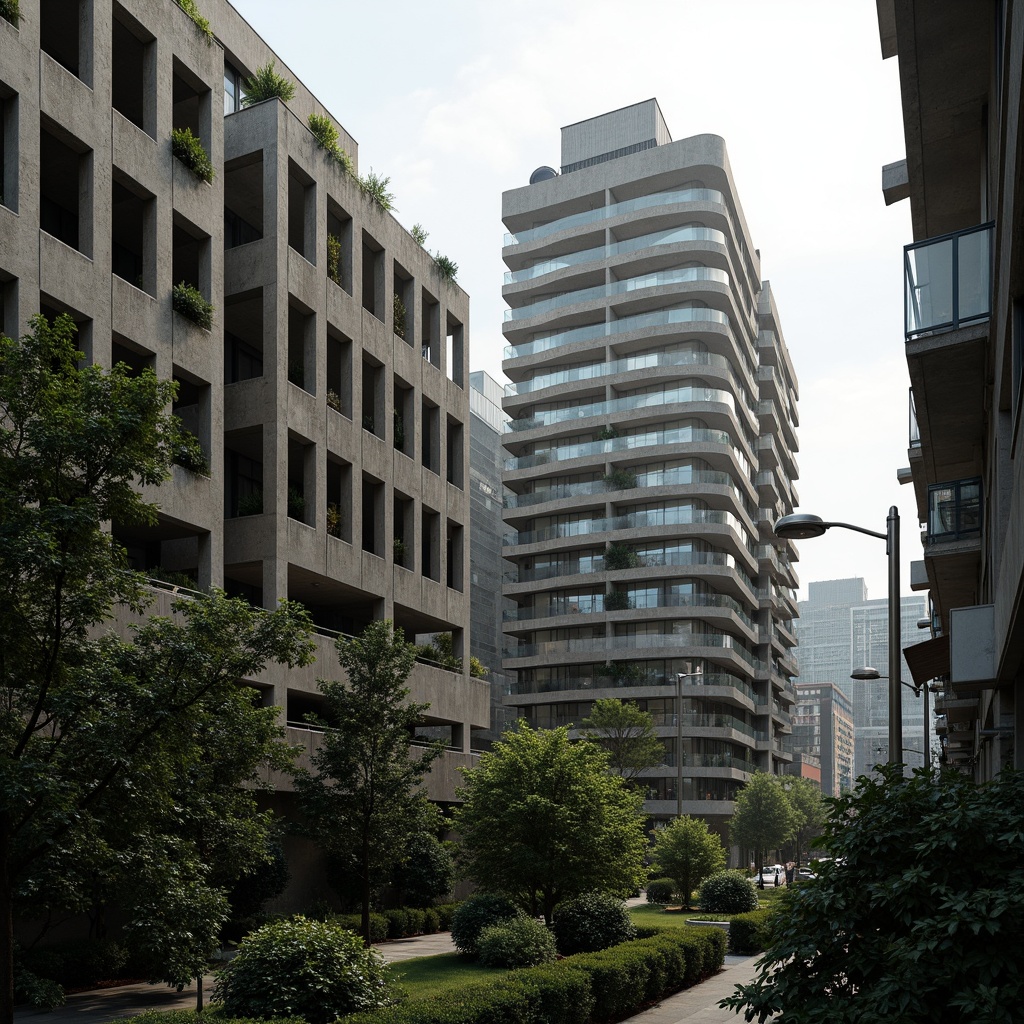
(810, 808)
(365, 801)
(919, 918)
(544, 820)
(627, 733)
(764, 818)
(686, 851)
(429, 873)
(108, 745)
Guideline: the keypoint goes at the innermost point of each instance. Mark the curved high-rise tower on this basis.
(651, 446)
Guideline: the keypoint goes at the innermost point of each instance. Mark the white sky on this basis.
(459, 100)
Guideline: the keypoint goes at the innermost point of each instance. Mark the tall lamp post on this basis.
(802, 526)
(680, 676)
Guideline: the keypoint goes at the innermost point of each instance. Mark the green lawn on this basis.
(427, 975)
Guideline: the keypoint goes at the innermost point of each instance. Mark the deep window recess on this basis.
(234, 91)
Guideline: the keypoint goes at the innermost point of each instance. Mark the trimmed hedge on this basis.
(748, 933)
(353, 922)
(614, 983)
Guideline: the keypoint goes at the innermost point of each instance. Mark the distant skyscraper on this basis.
(823, 727)
(839, 630)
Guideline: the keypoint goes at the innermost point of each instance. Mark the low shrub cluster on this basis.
(401, 922)
(187, 148)
(591, 921)
(608, 985)
(480, 911)
(748, 933)
(660, 890)
(518, 942)
(189, 302)
(727, 892)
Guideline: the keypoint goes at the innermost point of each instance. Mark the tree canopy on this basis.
(918, 917)
(121, 759)
(810, 808)
(764, 818)
(364, 800)
(544, 820)
(686, 851)
(627, 733)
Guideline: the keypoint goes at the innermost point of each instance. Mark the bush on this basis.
(375, 188)
(267, 84)
(10, 10)
(748, 933)
(431, 921)
(518, 942)
(189, 302)
(201, 23)
(378, 925)
(475, 914)
(591, 922)
(447, 268)
(189, 150)
(326, 136)
(445, 915)
(315, 969)
(660, 890)
(727, 892)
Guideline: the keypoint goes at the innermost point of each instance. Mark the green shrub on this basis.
(296, 504)
(748, 933)
(398, 923)
(187, 148)
(414, 921)
(619, 556)
(447, 268)
(266, 84)
(419, 234)
(188, 452)
(591, 921)
(10, 10)
(189, 302)
(378, 925)
(190, 1017)
(445, 915)
(315, 969)
(375, 188)
(326, 136)
(201, 23)
(727, 892)
(40, 993)
(475, 914)
(334, 258)
(518, 942)
(251, 504)
(660, 890)
(431, 921)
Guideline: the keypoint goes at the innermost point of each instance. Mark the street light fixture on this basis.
(680, 676)
(803, 526)
(867, 673)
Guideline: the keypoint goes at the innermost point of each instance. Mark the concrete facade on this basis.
(961, 70)
(330, 402)
(823, 730)
(651, 445)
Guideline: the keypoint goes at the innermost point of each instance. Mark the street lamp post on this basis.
(680, 676)
(869, 673)
(802, 526)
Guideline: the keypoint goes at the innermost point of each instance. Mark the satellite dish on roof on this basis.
(542, 174)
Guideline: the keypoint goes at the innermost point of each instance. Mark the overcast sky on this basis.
(459, 100)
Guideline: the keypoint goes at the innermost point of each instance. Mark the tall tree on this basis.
(686, 851)
(544, 819)
(98, 735)
(763, 818)
(627, 733)
(810, 809)
(364, 799)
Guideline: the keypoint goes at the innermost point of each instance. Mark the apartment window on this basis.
(243, 480)
(234, 88)
(373, 515)
(454, 553)
(133, 80)
(373, 276)
(455, 356)
(373, 397)
(302, 348)
(430, 327)
(133, 355)
(403, 510)
(1018, 352)
(133, 234)
(339, 372)
(65, 191)
(301, 212)
(338, 511)
(8, 148)
(243, 336)
(301, 497)
(192, 407)
(430, 436)
(190, 256)
(430, 544)
(63, 26)
(339, 246)
(402, 304)
(192, 103)
(405, 417)
(455, 453)
(243, 200)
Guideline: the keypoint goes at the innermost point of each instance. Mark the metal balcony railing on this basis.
(948, 281)
(954, 510)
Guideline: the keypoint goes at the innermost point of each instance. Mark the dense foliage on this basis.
(478, 912)
(919, 917)
(266, 84)
(727, 892)
(627, 733)
(687, 851)
(764, 817)
(591, 921)
(517, 942)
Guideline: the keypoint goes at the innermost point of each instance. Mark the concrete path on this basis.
(695, 1006)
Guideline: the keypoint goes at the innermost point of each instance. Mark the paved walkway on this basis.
(697, 1005)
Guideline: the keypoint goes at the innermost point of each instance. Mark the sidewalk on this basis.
(698, 1005)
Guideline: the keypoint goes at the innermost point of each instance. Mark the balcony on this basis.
(948, 291)
(952, 543)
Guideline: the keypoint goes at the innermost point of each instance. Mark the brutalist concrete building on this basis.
(651, 445)
(330, 394)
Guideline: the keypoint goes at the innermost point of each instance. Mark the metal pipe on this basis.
(892, 545)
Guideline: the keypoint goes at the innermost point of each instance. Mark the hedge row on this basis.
(403, 922)
(614, 983)
(748, 933)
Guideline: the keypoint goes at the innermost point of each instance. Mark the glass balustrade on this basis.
(595, 646)
(954, 510)
(602, 213)
(681, 515)
(596, 605)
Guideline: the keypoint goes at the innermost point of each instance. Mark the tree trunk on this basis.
(6, 926)
(199, 993)
(364, 923)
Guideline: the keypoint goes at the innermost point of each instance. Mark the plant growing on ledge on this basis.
(419, 234)
(616, 601)
(326, 136)
(375, 188)
(251, 504)
(333, 520)
(399, 550)
(608, 434)
(189, 302)
(447, 268)
(296, 504)
(191, 9)
(267, 84)
(334, 399)
(10, 11)
(399, 431)
(619, 556)
(187, 148)
(399, 317)
(334, 258)
(620, 480)
(188, 453)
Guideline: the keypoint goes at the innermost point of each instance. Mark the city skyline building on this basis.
(823, 727)
(651, 446)
(328, 392)
(839, 630)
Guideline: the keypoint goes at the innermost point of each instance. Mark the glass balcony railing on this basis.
(915, 429)
(668, 236)
(659, 318)
(954, 510)
(598, 647)
(683, 275)
(602, 213)
(948, 281)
